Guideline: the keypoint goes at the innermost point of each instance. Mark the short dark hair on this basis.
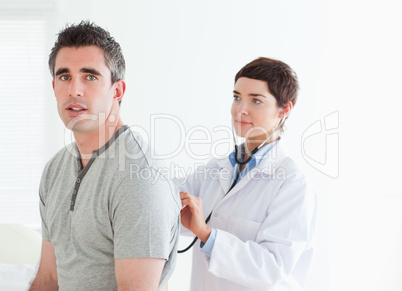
(281, 79)
(85, 34)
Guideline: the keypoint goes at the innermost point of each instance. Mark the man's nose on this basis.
(76, 88)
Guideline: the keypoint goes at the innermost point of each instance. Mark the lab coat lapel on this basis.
(225, 171)
(265, 170)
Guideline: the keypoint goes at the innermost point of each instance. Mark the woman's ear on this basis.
(120, 89)
(286, 110)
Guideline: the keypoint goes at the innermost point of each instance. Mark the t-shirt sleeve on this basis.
(42, 210)
(144, 217)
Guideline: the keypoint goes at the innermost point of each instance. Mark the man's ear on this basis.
(53, 89)
(120, 89)
(286, 110)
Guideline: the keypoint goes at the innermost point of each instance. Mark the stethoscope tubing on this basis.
(256, 148)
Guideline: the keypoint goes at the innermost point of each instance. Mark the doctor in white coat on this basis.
(260, 231)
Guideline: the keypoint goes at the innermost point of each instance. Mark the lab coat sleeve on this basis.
(281, 240)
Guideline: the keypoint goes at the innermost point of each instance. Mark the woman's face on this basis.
(255, 111)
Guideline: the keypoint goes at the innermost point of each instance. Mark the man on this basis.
(104, 227)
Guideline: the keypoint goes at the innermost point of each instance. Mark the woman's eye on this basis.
(256, 101)
(236, 97)
(91, 77)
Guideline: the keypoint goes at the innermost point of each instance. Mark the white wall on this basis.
(182, 57)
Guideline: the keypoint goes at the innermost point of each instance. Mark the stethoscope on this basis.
(240, 163)
(252, 153)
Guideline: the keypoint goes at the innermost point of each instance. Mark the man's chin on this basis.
(81, 123)
(80, 126)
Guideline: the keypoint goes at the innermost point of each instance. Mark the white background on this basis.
(181, 60)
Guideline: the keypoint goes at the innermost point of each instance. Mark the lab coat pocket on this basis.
(243, 228)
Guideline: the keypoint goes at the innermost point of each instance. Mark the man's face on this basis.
(85, 95)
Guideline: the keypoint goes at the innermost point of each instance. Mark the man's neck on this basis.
(88, 142)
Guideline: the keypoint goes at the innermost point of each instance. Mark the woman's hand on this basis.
(192, 217)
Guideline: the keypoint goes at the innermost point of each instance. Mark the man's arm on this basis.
(46, 278)
(140, 274)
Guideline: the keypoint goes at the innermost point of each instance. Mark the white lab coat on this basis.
(265, 226)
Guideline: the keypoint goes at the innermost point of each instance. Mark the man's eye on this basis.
(91, 77)
(64, 78)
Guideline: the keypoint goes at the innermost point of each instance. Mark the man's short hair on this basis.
(281, 79)
(85, 34)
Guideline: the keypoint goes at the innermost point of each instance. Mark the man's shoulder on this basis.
(143, 170)
(137, 150)
(54, 170)
(66, 153)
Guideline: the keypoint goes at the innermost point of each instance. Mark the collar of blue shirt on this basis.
(254, 162)
(256, 159)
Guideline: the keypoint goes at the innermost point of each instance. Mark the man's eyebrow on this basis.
(91, 71)
(62, 71)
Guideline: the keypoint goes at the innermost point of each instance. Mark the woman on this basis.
(259, 235)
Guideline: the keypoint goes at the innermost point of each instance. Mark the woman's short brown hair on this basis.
(281, 79)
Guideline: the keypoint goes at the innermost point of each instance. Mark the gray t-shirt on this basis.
(119, 206)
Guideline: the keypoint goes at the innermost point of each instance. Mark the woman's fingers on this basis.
(189, 200)
(192, 216)
(185, 198)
